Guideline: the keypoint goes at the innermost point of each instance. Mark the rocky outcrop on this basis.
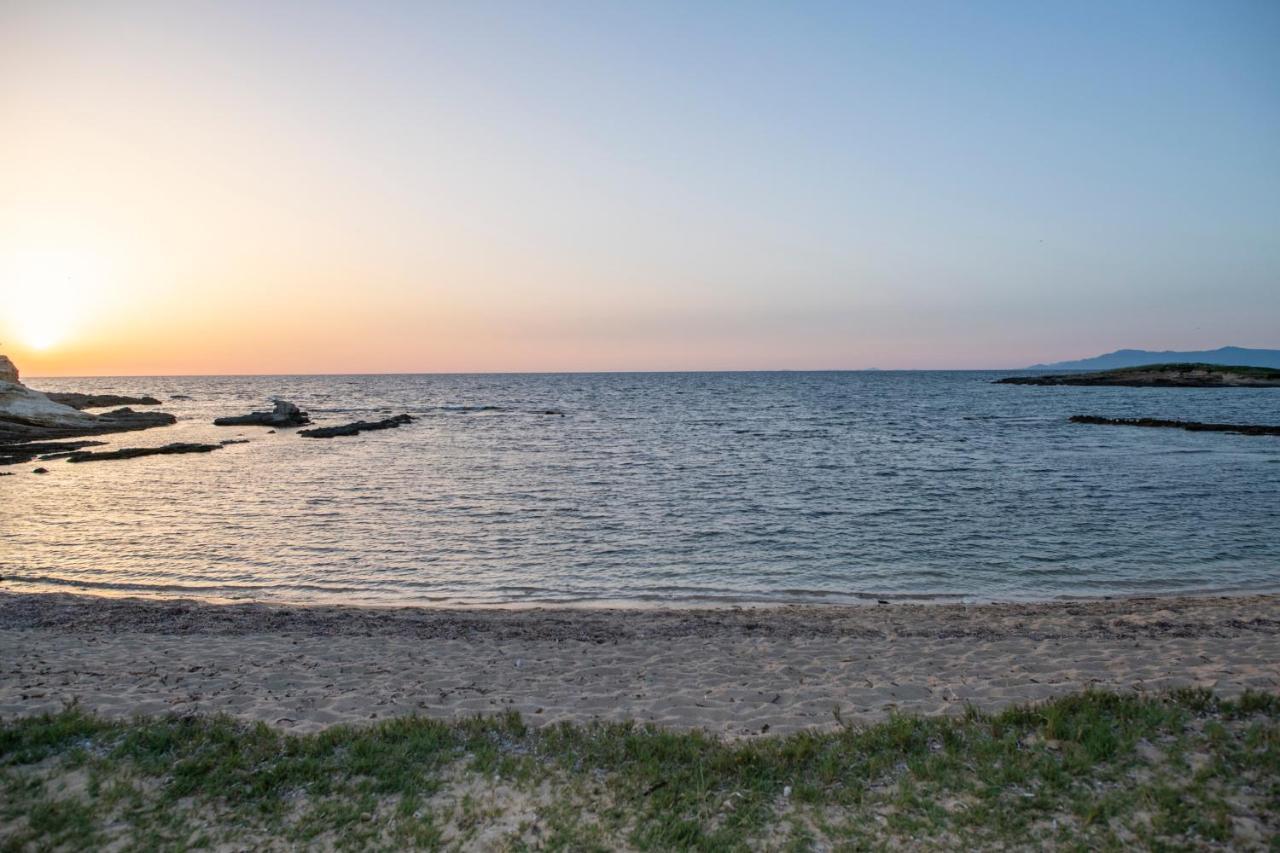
(27, 415)
(8, 371)
(1193, 426)
(16, 454)
(284, 414)
(1162, 376)
(135, 452)
(356, 428)
(98, 401)
(14, 430)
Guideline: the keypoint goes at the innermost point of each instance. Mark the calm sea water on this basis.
(662, 488)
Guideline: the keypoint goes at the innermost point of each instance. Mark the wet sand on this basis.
(736, 672)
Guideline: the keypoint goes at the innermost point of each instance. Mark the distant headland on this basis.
(1235, 356)
(1162, 376)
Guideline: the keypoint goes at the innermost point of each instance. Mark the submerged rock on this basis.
(356, 428)
(284, 414)
(16, 454)
(1193, 426)
(135, 452)
(98, 401)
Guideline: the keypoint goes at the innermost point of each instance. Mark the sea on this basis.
(640, 489)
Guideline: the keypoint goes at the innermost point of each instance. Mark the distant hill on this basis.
(1137, 357)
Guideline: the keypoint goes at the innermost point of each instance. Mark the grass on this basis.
(1090, 771)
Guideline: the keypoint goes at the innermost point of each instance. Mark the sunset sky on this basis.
(380, 187)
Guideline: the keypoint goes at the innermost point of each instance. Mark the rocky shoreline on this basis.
(28, 416)
(32, 422)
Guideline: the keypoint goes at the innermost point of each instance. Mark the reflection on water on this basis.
(661, 487)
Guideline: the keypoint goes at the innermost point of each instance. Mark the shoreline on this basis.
(734, 672)
(26, 603)
(13, 586)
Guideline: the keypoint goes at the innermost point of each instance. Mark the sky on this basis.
(314, 187)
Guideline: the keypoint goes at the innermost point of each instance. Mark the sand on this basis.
(734, 672)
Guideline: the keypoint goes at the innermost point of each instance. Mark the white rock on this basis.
(19, 403)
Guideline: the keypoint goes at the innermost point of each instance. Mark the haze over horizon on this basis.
(317, 188)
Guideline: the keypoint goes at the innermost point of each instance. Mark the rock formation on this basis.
(1192, 426)
(8, 371)
(284, 414)
(135, 452)
(356, 428)
(27, 415)
(14, 454)
(98, 401)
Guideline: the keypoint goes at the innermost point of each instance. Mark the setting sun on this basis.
(53, 291)
(40, 333)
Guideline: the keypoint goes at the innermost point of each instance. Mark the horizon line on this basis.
(539, 372)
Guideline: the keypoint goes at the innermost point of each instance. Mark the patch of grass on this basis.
(1093, 770)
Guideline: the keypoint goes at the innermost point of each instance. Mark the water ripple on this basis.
(663, 487)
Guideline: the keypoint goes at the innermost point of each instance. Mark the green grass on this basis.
(1091, 771)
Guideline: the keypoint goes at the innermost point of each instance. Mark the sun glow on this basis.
(40, 331)
(48, 294)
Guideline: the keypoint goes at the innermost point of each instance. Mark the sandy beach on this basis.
(734, 672)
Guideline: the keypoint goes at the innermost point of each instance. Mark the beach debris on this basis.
(1192, 426)
(135, 452)
(98, 401)
(356, 428)
(283, 414)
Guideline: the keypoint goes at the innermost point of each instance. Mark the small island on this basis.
(1162, 376)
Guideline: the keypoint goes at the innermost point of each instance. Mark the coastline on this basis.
(733, 671)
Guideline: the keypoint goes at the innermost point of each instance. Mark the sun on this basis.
(51, 292)
(40, 332)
